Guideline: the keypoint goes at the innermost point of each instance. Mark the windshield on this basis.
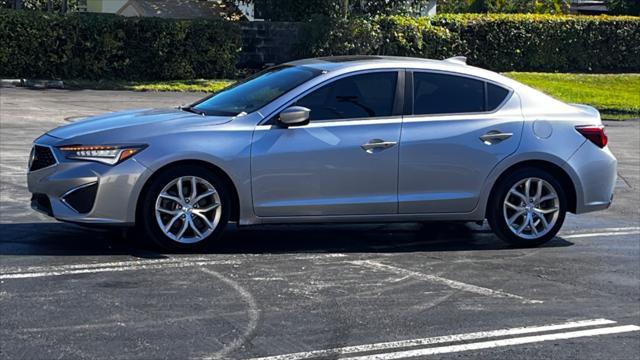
(256, 91)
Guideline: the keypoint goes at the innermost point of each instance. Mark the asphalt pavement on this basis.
(375, 291)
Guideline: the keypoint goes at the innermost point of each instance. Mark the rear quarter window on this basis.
(495, 96)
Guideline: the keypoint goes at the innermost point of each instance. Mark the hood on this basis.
(141, 122)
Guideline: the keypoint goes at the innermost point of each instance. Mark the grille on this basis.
(41, 157)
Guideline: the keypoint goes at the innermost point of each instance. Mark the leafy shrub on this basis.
(499, 42)
(303, 10)
(504, 6)
(324, 36)
(42, 5)
(417, 37)
(97, 46)
(392, 35)
(626, 7)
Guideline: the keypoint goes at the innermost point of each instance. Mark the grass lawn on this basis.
(167, 85)
(617, 96)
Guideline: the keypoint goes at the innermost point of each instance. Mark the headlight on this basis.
(107, 154)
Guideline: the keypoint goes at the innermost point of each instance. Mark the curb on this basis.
(32, 83)
(10, 82)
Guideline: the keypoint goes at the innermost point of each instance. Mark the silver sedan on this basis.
(339, 139)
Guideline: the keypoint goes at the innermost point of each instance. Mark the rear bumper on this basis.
(595, 173)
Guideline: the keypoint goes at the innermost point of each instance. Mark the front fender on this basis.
(230, 151)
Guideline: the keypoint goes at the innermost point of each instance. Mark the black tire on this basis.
(495, 212)
(149, 225)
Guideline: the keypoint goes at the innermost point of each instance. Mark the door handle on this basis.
(377, 144)
(494, 137)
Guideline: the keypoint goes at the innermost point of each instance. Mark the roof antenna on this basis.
(457, 59)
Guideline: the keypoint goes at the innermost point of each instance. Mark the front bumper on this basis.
(87, 192)
(595, 174)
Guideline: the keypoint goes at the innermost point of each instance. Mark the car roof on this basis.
(338, 62)
(457, 65)
(371, 62)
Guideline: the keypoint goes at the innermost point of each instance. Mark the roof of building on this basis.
(179, 9)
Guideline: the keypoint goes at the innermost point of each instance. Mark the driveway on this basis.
(376, 291)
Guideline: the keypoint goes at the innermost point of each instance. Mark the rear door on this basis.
(457, 130)
(344, 162)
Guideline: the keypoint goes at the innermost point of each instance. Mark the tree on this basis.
(300, 10)
(624, 7)
(504, 6)
(62, 6)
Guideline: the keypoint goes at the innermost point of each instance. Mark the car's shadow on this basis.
(71, 240)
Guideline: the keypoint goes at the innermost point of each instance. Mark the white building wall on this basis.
(112, 6)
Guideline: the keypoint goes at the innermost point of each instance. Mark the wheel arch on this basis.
(235, 199)
(558, 172)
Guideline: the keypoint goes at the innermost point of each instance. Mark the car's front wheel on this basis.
(185, 208)
(527, 207)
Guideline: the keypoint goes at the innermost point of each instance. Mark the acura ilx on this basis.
(337, 139)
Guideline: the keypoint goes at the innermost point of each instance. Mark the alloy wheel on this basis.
(188, 209)
(531, 208)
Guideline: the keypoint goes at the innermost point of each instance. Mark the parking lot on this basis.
(374, 291)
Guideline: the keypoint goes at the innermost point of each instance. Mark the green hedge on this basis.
(543, 43)
(102, 46)
(504, 6)
(303, 10)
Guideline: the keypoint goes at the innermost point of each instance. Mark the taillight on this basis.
(594, 133)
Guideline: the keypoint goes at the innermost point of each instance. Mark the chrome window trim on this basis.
(267, 118)
(396, 119)
(72, 190)
(444, 117)
(55, 157)
(444, 72)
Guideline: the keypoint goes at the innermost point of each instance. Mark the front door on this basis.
(344, 162)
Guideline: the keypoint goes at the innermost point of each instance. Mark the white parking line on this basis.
(613, 229)
(600, 234)
(498, 343)
(98, 265)
(396, 345)
(45, 271)
(90, 268)
(444, 281)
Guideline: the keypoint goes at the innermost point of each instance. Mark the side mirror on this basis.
(294, 116)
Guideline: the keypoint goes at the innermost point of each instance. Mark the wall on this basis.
(105, 6)
(266, 43)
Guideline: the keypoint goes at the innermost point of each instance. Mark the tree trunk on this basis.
(345, 8)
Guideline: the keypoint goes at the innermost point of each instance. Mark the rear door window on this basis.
(446, 94)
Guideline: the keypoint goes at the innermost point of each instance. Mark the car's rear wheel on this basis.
(528, 207)
(185, 208)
